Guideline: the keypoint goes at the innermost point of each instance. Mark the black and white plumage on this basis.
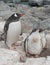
(12, 28)
(13, 33)
(35, 42)
(13, 18)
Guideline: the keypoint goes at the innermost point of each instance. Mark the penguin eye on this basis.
(15, 15)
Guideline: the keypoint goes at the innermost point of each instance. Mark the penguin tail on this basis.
(2, 37)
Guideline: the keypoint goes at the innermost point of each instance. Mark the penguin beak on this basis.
(21, 14)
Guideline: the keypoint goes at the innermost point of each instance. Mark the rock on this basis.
(48, 60)
(42, 14)
(38, 12)
(2, 44)
(36, 2)
(21, 8)
(47, 10)
(16, 1)
(23, 57)
(0, 18)
(19, 63)
(8, 57)
(5, 14)
(35, 61)
(5, 10)
(23, 37)
(3, 6)
(46, 2)
(45, 24)
(29, 23)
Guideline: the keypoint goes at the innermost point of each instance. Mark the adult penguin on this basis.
(35, 42)
(12, 29)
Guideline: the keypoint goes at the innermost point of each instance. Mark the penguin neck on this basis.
(11, 20)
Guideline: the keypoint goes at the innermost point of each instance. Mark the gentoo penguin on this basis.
(12, 29)
(35, 43)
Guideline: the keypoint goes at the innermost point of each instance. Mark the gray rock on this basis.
(0, 18)
(3, 6)
(36, 2)
(2, 44)
(16, 1)
(21, 8)
(38, 12)
(36, 61)
(6, 14)
(8, 57)
(5, 10)
(29, 23)
(46, 2)
(47, 10)
(45, 24)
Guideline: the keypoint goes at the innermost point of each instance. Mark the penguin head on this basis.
(41, 30)
(15, 17)
(18, 15)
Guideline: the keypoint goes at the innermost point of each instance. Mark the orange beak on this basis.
(21, 14)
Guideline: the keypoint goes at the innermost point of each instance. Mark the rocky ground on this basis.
(35, 17)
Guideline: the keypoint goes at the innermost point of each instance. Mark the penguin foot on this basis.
(45, 48)
(13, 48)
(28, 55)
(36, 55)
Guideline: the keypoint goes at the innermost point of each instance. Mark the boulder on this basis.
(36, 2)
(38, 12)
(2, 44)
(45, 24)
(4, 6)
(6, 14)
(8, 57)
(29, 23)
(19, 63)
(48, 60)
(21, 8)
(35, 61)
(46, 2)
(5, 10)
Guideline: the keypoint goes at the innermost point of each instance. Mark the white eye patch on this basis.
(15, 15)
